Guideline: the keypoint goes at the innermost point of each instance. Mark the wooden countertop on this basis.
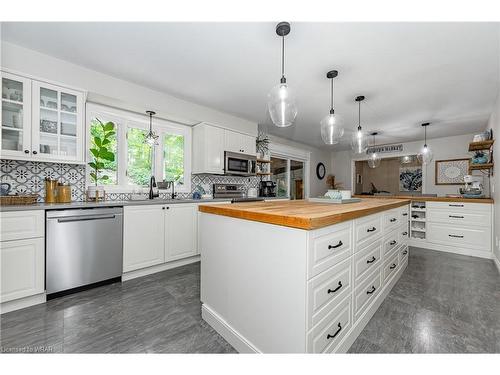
(427, 199)
(302, 214)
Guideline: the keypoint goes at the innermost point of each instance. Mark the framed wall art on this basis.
(451, 172)
(410, 178)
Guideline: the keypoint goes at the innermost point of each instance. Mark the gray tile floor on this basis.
(442, 303)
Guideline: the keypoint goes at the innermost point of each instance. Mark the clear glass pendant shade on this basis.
(407, 159)
(282, 105)
(331, 129)
(359, 142)
(374, 160)
(425, 156)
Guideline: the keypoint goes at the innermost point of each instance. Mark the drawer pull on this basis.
(371, 260)
(456, 205)
(456, 217)
(405, 252)
(335, 246)
(337, 288)
(404, 233)
(393, 220)
(455, 236)
(392, 266)
(328, 337)
(372, 229)
(405, 214)
(392, 243)
(371, 291)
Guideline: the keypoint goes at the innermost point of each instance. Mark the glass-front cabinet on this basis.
(16, 116)
(57, 123)
(41, 121)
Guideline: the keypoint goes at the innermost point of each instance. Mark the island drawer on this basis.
(327, 289)
(19, 225)
(391, 241)
(368, 228)
(404, 234)
(327, 247)
(330, 331)
(454, 235)
(460, 206)
(367, 259)
(392, 219)
(366, 292)
(480, 218)
(403, 253)
(404, 213)
(391, 267)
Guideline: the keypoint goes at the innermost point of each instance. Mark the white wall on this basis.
(107, 90)
(442, 148)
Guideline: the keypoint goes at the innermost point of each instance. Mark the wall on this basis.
(107, 90)
(443, 148)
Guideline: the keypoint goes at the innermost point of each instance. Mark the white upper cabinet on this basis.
(16, 116)
(41, 121)
(209, 144)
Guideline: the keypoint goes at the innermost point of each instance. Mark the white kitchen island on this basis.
(297, 276)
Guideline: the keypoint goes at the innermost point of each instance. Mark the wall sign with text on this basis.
(387, 149)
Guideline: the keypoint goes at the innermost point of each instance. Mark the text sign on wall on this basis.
(385, 149)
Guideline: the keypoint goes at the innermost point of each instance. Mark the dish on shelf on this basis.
(48, 126)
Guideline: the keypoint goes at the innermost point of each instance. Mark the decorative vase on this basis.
(95, 192)
(480, 159)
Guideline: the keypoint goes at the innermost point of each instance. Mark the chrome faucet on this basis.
(153, 190)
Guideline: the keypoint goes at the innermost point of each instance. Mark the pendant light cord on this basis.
(359, 115)
(331, 95)
(425, 136)
(282, 56)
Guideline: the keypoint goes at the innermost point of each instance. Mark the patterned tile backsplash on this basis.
(28, 177)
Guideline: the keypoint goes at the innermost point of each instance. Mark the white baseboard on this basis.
(450, 249)
(497, 263)
(159, 268)
(22, 303)
(232, 336)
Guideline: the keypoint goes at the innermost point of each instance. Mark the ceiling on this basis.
(444, 73)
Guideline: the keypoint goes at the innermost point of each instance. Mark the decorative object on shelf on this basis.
(410, 178)
(331, 125)
(484, 136)
(5, 188)
(374, 158)
(359, 142)
(63, 193)
(480, 157)
(50, 190)
(21, 199)
(320, 171)
(332, 185)
(262, 145)
(100, 154)
(425, 155)
(281, 101)
(407, 159)
(451, 172)
(151, 138)
(48, 126)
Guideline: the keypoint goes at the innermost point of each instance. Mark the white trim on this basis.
(22, 303)
(159, 268)
(497, 263)
(450, 249)
(232, 336)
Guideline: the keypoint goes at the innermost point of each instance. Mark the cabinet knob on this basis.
(163, 208)
(168, 208)
(35, 152)
(26, 151)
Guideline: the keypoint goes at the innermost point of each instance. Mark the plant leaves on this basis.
(109, 126)
(97, 141)
(109, 134)
(105, 177)
(105, 141)
(93, 176)
(107, 155)
(92, 165)
(95, 152)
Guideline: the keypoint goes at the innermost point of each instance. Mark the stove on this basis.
(229, 191)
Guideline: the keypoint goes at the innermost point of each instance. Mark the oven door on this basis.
(239, 164)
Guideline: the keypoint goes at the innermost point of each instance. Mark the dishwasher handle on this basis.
(84, 218)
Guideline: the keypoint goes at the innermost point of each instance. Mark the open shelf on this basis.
(478, 146)
(263, 161)
(263, 174)
(476, 167)
(414, 229)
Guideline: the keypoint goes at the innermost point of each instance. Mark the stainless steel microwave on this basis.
(239, 164)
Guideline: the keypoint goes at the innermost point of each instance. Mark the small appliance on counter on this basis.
(473, 187)
(267, 189)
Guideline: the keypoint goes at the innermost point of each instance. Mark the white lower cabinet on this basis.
(155, 234)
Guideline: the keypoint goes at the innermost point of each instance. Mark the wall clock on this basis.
(320, 171)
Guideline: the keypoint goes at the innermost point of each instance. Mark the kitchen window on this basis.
(134, 160)
(110, 168)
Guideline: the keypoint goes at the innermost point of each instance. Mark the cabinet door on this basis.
(57, 133)
(214, 143)
(181, 231)
(22, 268)
(143, 236)
(233, 141)
(248, 144)
(16, 117)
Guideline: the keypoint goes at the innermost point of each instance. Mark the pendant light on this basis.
(281, 101)
(407, 159)
(374, 158)
(331, 128)
(151, 138)
(425, 155)
(359, 142)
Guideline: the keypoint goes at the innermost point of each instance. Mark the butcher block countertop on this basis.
(427, 199)
(302, 214)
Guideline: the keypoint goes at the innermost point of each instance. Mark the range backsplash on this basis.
(28, 177)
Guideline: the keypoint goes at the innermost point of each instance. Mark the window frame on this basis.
(288, 153)
(125, 120)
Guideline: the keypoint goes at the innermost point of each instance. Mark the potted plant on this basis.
(262, 145)
(480, 157)
(101, 153)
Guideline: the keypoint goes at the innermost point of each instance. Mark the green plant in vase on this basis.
(101, 138)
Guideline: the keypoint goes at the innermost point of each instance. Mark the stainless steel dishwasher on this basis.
(84, 248)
